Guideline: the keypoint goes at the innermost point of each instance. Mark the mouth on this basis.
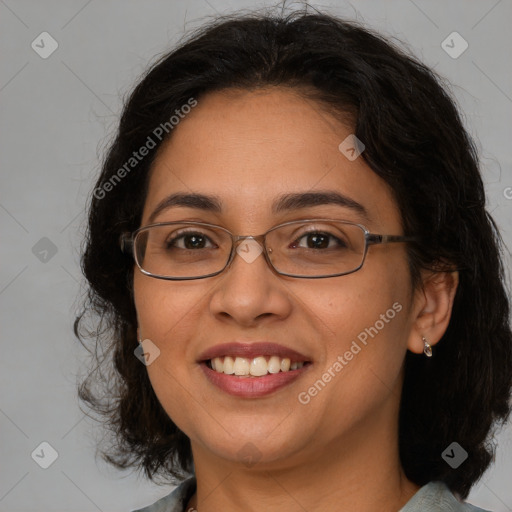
(252, 370)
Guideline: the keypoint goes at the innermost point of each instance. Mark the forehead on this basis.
(250, 147)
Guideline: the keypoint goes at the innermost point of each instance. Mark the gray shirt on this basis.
(433, 497)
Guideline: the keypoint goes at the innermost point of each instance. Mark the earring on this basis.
(427, 349)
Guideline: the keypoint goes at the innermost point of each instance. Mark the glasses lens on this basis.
(319, 248)
(182, 250)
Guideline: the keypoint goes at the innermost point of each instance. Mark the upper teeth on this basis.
(256, 367)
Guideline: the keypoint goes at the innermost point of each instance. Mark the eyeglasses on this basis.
(310, 249)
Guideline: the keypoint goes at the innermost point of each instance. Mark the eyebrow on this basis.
(286, 202)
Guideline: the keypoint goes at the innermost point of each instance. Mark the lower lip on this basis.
(252, 387)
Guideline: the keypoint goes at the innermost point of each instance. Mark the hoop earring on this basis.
(427, 349)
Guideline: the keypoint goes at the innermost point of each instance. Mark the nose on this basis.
(249, 290)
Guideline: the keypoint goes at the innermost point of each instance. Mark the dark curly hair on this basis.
(415, 141)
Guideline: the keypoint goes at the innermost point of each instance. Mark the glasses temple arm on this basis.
(126, 243)
(373, 239)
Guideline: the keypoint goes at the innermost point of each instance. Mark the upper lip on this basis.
(251, 350)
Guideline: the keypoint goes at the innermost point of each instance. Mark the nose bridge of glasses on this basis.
(238, 239)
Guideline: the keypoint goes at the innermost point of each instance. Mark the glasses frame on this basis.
(127, 244)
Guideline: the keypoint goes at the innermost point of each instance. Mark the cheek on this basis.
(163, 305)
(365, 316)
(166, 313)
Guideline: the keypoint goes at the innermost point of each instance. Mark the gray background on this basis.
(56, 117)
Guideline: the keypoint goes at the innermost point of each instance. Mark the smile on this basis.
(252, 370)
(253, 367)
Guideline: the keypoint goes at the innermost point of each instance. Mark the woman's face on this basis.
(248, 149)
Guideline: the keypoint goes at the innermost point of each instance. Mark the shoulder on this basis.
(176, 501)
(437, 497)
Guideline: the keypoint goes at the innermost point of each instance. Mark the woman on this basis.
(294, 269)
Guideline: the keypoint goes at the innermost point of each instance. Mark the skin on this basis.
(339, 451)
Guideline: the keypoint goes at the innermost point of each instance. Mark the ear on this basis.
(432, 309)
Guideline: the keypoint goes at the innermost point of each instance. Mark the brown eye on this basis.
(320, 240)
(188, 241)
